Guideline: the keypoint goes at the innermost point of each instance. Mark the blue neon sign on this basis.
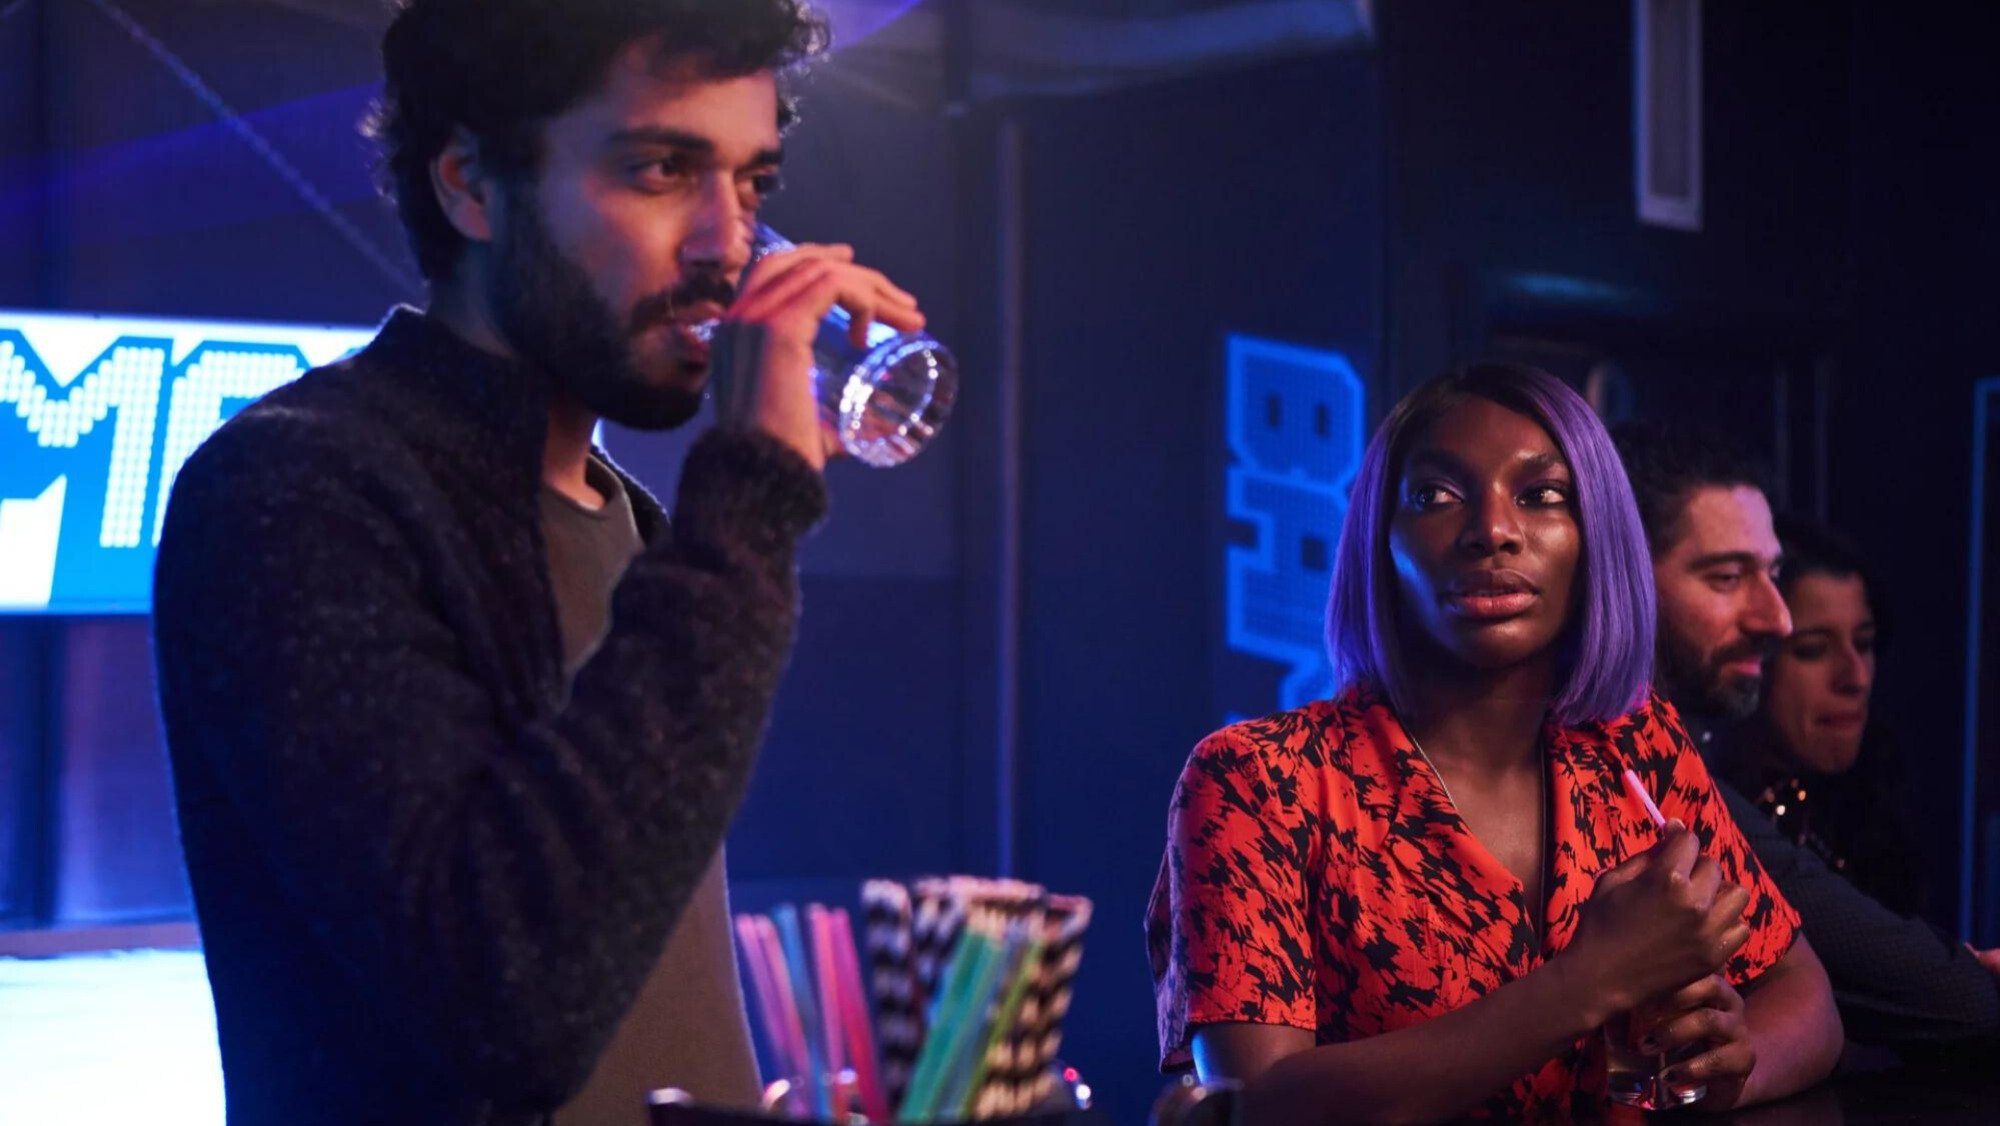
(1295, 421)
(97, 415)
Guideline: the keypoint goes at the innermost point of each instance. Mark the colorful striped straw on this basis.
(892, 980)
(940, 915)
(1011, 1070)
(992, 1090)
(1069, 917)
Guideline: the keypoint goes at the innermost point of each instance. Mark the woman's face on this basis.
(1484, 538)
(1821, 677)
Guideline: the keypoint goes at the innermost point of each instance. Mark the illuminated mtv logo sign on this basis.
(97, 415)
(1295, 419)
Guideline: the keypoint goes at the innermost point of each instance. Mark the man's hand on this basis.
(785, 295)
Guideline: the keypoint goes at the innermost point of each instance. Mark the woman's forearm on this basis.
(1437, 1069)
(1793, 1024)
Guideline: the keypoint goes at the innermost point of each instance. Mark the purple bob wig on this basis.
(1607, 651)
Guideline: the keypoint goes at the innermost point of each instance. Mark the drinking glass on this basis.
(1634, 1076)
(882, 402)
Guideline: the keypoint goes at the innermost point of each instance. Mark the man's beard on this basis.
(1697, 682)
(547, 310)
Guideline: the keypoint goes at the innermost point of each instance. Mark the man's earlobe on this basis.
(464, 187)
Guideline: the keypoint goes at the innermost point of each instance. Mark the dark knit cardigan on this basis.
(432, 872)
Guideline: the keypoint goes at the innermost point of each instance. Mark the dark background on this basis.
(1009, 645)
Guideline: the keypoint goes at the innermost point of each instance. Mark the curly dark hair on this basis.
(1668, 461)
(501, 68)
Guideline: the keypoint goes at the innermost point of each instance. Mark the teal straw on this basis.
(921, 1101)
(970, 1046)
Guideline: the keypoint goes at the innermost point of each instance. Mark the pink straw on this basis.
(788, 1005)
(817, 924)
(790, 1056)
(854, 1010)
(1638, 790)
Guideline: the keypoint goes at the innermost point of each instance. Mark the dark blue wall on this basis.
(21, 149)
(1926, 256)
(1159, 220)
(1510, 159)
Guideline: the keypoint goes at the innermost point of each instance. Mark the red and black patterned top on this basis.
(1317, 876)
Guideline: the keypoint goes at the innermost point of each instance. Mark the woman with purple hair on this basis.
(1423, 898)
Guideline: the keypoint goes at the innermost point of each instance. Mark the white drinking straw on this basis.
(1638, 791)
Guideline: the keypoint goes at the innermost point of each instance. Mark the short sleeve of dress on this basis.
(1226, 929)
(1684, 790)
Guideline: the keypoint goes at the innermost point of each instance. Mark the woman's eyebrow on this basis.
(1440, 458)
(1435, 457)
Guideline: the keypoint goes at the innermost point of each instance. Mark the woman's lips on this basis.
(1490, 605)
(1489, 595)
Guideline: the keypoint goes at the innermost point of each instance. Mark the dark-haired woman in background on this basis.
(1422, 898)
(1817, 761)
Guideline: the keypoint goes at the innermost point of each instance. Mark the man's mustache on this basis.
(1761, 650)
(663, 308)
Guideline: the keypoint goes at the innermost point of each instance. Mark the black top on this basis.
(1899, 981)
(431, 871)
(1854, 821)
